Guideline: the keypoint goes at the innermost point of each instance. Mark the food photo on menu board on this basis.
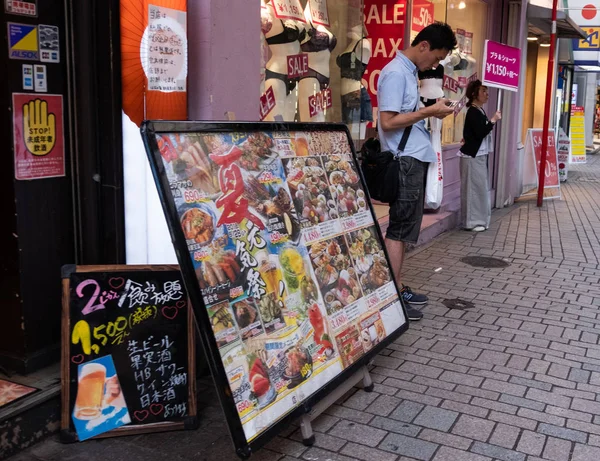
(287, 257)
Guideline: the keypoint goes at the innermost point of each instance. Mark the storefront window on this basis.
(468, 19)
(315, 55)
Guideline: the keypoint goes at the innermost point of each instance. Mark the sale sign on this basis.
(38, 136)
(422, 16)
(551, 167)
(320, 102)
(297, 65)
(384, 20)
(501, 66)
(267, 103)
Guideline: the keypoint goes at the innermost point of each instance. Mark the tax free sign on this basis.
(501, 66)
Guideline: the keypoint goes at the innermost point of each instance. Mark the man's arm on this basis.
(395, 121)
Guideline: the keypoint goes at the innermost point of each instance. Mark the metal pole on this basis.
(549, 90)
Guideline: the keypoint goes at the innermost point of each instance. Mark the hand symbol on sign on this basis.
(39, 127)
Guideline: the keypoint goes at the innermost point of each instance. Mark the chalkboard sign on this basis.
(128, 362)
(284, 261)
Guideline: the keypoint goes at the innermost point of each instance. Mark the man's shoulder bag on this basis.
(381, 170)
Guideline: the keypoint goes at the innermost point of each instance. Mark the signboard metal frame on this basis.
(150, 129)
(67, 433)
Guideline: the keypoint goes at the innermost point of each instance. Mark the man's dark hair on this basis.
(473, 90)
(439, 35)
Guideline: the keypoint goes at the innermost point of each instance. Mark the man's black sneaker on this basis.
(413, 298)
(413, 314)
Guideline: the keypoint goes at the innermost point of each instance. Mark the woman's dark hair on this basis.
(473, 91)
(439, 35)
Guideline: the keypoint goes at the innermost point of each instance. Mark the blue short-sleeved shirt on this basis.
(398, 91)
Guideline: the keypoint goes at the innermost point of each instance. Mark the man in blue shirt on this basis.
(398, 97)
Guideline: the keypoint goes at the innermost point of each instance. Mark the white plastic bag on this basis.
(434, 189)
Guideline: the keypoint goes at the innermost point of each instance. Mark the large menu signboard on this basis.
(282, 258)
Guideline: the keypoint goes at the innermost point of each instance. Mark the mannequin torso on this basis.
(283, 40)
(318, 45)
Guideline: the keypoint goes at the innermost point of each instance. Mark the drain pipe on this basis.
(549, 88)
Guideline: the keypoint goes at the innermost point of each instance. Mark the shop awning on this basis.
(539, 16)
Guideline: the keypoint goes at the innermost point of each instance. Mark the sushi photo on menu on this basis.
(99, 404)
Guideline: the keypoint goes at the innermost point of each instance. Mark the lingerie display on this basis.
(350, 65)
(356, 106)
(290, 83)
(291, 33)
(318, 41)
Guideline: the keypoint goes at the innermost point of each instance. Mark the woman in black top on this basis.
(474, 189)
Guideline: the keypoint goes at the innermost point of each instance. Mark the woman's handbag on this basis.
(381, 170)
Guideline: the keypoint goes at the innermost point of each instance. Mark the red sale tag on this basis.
(288, 9)
(319, 102)
(297, 65)
(267, 103)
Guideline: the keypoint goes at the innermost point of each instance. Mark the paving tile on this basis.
(585, 453)
(473, 428)
(452, 454)
(355, 432)
(383, 405)
(505, 436)
(557, 449)
(392, 425)
(563, 433)
(531, 443)
(443, 438)
(367, 453)
(408, 446)
(407, 411)
(318, 454)
(436, 418)
(496, 452)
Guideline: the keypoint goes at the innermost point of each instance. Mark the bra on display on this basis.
(345, 60)
(318, 41)
(291, 33)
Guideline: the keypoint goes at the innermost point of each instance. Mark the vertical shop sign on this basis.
(501, 66)
(28, 8)
(564, 148)
(384, 20)
(38, 136)
(577, 135)
(319, 13)
(164, 50)
(288, 9)
(551, 167)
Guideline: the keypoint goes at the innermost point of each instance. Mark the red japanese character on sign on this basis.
(231, 182)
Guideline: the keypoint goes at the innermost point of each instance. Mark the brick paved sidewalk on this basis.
(514, 378)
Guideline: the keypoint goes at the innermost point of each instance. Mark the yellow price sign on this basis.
(39, 127)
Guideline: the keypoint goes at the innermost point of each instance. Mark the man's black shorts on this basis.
(406, 213)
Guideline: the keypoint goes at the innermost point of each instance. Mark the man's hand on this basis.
(39, 127)
(440, 109)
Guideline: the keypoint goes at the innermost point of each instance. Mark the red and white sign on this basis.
(319, 13)
(551, 167)
(288, 9)
(38, 136)
(451, 84)
(422, 15)
(319, 102)
(384, 20)
(267, 103)
(297, 65)
(501, 66)
(468, 42)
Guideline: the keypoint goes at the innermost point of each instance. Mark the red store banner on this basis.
(384, 20)
(38, 136)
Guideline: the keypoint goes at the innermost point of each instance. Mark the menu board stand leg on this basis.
(308, 437)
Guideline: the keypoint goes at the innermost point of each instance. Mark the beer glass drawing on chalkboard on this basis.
(99, 405)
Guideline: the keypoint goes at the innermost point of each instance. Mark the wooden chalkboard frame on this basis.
(67, 433)
(149, 130)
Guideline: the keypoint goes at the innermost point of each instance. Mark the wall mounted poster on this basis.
(282, 257)
(128, 351)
